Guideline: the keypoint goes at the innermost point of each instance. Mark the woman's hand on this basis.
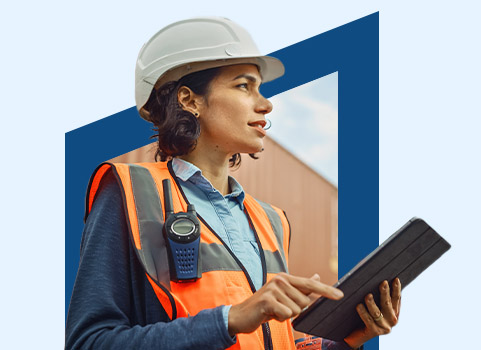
(377, 321)
(283, 297)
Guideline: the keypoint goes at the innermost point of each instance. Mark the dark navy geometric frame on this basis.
(353, 51)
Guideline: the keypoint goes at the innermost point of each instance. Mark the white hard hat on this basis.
(193, 45)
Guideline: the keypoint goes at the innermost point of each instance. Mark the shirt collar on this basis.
(237, 191)
(184, 170)
(189, 172)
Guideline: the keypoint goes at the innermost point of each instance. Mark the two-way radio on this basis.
(182, 234)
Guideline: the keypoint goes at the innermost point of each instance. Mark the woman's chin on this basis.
(256, 149)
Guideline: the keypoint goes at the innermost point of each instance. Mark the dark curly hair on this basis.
(177, 130)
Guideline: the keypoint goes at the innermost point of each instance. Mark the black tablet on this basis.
(405, 254)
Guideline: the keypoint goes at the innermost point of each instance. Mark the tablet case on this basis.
(405, 254)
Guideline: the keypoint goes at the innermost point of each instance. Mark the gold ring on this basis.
(381, 316)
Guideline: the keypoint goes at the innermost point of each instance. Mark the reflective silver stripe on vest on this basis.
(276, 224)
(275, 262)
(215, 257)
(153, 254)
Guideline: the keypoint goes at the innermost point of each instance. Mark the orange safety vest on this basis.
(224, 279)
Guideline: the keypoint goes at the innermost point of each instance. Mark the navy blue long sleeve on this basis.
(113, 306)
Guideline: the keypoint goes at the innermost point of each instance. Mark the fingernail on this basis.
(338, 293)
(370, 297)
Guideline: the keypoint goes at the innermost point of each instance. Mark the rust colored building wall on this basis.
(309, 200)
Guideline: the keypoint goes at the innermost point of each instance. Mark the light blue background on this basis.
(66, 65)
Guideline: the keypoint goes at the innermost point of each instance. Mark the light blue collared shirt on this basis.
(225, 214)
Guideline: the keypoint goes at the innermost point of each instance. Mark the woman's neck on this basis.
(214, 166)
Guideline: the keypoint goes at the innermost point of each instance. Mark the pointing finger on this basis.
(309, 285)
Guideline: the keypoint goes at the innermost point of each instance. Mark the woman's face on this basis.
(233, 116)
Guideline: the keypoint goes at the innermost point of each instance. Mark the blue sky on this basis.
(304, 121)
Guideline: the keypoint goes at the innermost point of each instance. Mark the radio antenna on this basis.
(169, 207)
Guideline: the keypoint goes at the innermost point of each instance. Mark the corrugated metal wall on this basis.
(308, 199)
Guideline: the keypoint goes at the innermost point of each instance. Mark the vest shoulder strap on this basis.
(143, 209)
(279, 223)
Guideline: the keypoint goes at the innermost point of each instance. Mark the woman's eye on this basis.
(243, 85)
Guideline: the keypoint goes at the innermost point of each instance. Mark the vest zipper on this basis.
(266, 331)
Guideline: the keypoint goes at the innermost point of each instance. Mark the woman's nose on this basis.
(264, 105)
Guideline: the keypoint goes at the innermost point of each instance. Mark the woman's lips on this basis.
(259, 126)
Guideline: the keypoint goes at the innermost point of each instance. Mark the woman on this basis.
(198, 82)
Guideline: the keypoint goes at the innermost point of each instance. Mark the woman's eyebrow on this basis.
(247, 76)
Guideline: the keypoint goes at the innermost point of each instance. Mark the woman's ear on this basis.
(188, 100)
